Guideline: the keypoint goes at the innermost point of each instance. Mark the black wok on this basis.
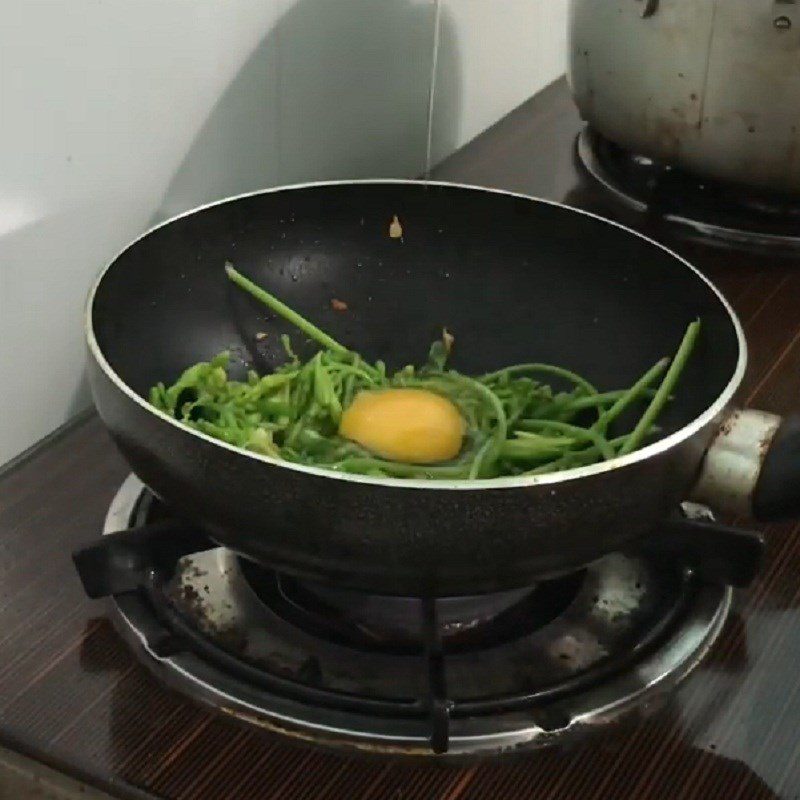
(515, 279)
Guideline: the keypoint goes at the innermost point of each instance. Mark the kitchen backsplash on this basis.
(118, 114)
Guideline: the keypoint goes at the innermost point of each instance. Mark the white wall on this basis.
(507, 50)
(115, 114)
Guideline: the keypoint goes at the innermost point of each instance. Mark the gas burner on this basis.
(718, 213)
(449, 676)
(391, 624)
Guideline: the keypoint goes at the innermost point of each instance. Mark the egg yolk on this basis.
(409, 425)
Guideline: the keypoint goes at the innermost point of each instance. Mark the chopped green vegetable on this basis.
(515, 425)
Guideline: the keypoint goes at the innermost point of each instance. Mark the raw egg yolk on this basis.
(409, 425)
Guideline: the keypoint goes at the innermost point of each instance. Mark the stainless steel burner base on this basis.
(632, 693)
(705, 225)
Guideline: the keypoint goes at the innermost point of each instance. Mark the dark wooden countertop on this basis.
(72, 696)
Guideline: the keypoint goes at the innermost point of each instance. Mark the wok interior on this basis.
(514, 280)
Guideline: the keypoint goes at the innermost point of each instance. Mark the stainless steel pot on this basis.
(710, 85)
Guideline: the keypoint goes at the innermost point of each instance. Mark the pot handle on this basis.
(752, 467)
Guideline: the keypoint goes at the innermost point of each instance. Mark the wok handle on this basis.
(777, 491)
(752, 468)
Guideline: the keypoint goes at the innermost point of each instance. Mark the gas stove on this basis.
(447, 677)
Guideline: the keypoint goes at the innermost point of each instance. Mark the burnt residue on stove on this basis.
(190, 597)
(563, 633)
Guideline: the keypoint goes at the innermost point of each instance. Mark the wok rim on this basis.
(711, 413)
